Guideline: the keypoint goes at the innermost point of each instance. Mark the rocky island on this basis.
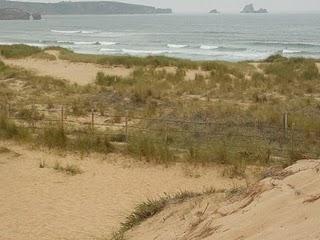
(250, 9)
(214, 11)
(82, 8)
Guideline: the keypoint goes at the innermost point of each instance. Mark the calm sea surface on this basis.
(206, 37)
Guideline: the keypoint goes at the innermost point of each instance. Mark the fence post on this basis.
(207, 130)
(166, 140)
(126, 127)
(285, 125)
(92, 119)
(7, 111)
(292, 138)
(62, 117)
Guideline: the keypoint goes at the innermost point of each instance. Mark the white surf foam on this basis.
(176, 46)
(208, 47)
(86, 43)
(146, 52)
(65, 32)
(288, 51)
(108, 43)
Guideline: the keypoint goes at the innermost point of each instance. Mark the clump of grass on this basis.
(89, 142)
(70, 169)
(105, 80)
(9, 130)
(53, 137)
(150, 208)
(149, 148)
(292, 69)
(18, 51)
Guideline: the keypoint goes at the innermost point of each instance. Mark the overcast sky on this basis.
(197, 6)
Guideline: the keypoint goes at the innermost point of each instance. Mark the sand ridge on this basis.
(285, 206)
(43, 204)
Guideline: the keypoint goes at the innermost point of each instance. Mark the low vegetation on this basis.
(203, 112)
(69, 169)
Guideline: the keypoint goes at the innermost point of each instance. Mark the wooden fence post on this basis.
(207, 129)
(166, 133)
(62, 117)
(285, 125)
(7, 111)
(92, 120)
(126, 127)
(166, 140)
(292, 138)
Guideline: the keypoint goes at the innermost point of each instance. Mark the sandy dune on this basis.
(283, 207)
(80, 73)
(43, 204)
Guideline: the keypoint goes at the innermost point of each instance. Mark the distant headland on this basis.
(17, 14)
(82, 8)
(250, 9)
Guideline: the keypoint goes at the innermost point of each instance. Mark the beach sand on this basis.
(44, 204)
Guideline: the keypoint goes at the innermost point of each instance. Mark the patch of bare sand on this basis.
(75, 72)
(285, 206)
(44, 204)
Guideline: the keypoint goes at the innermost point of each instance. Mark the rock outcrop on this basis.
(214, 11)
(82, 8)
(36, 16)
(13, 14)
(250, 9)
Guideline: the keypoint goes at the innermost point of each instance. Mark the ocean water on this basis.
(231, 37)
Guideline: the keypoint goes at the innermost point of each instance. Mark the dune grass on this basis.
(232, 95)
(150, 208)
(18, 51)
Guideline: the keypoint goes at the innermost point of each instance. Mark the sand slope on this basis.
(283, 207)
(43, 204)
(80, 73)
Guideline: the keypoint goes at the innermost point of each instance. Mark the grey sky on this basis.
(197, 6)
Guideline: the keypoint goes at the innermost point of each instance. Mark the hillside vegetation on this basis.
(78, 8)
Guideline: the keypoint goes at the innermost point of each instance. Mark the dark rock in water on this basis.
(83, 7)
(36, 16)
(250, 9)
(262, 10)
(13, 14)
(214, 11)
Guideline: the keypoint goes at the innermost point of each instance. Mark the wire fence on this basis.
(279, 140)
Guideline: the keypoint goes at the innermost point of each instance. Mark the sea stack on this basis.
(36, 16)
(214, 11)
(250, 9)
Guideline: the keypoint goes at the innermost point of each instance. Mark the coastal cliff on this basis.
(82, 8)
